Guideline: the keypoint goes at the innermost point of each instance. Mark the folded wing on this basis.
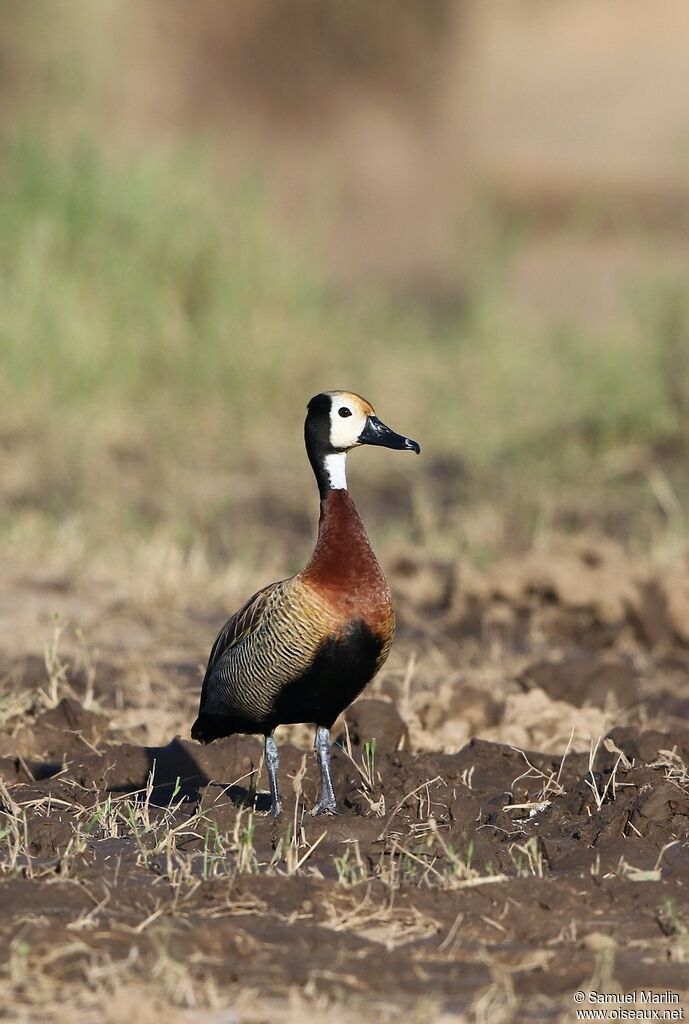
(270, 642)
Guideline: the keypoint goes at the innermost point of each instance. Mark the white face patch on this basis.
(335, 469)
(347, 420)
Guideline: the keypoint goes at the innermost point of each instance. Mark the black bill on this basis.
(375, 432)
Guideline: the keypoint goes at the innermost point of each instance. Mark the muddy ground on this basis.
(518, 831)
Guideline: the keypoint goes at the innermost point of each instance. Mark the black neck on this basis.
(317, 441)
(317, 460)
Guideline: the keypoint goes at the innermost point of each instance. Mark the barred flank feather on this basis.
(270, 643)
(272, 640)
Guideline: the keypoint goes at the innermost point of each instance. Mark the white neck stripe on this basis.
(334, 466)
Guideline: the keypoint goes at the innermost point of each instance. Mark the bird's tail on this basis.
(207, 728)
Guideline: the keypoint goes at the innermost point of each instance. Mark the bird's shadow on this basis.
(240, 796)
(162, 776)
(174, 774)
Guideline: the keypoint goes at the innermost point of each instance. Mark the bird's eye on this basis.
(344, 411)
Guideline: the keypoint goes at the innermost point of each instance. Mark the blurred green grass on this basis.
(147, 306)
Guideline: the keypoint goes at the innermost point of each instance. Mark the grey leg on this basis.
(327, 803)
(273, 766)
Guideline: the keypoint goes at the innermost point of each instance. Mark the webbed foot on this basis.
(325, 807)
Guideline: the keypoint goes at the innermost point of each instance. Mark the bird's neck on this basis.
(329, 470)
(343, 555)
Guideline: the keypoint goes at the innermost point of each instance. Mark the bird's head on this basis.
(336, 422)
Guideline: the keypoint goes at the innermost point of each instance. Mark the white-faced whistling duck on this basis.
(303, 649)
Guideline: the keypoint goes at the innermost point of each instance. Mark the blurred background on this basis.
(476, 215)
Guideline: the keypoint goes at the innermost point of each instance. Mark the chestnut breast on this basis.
(345, 571)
